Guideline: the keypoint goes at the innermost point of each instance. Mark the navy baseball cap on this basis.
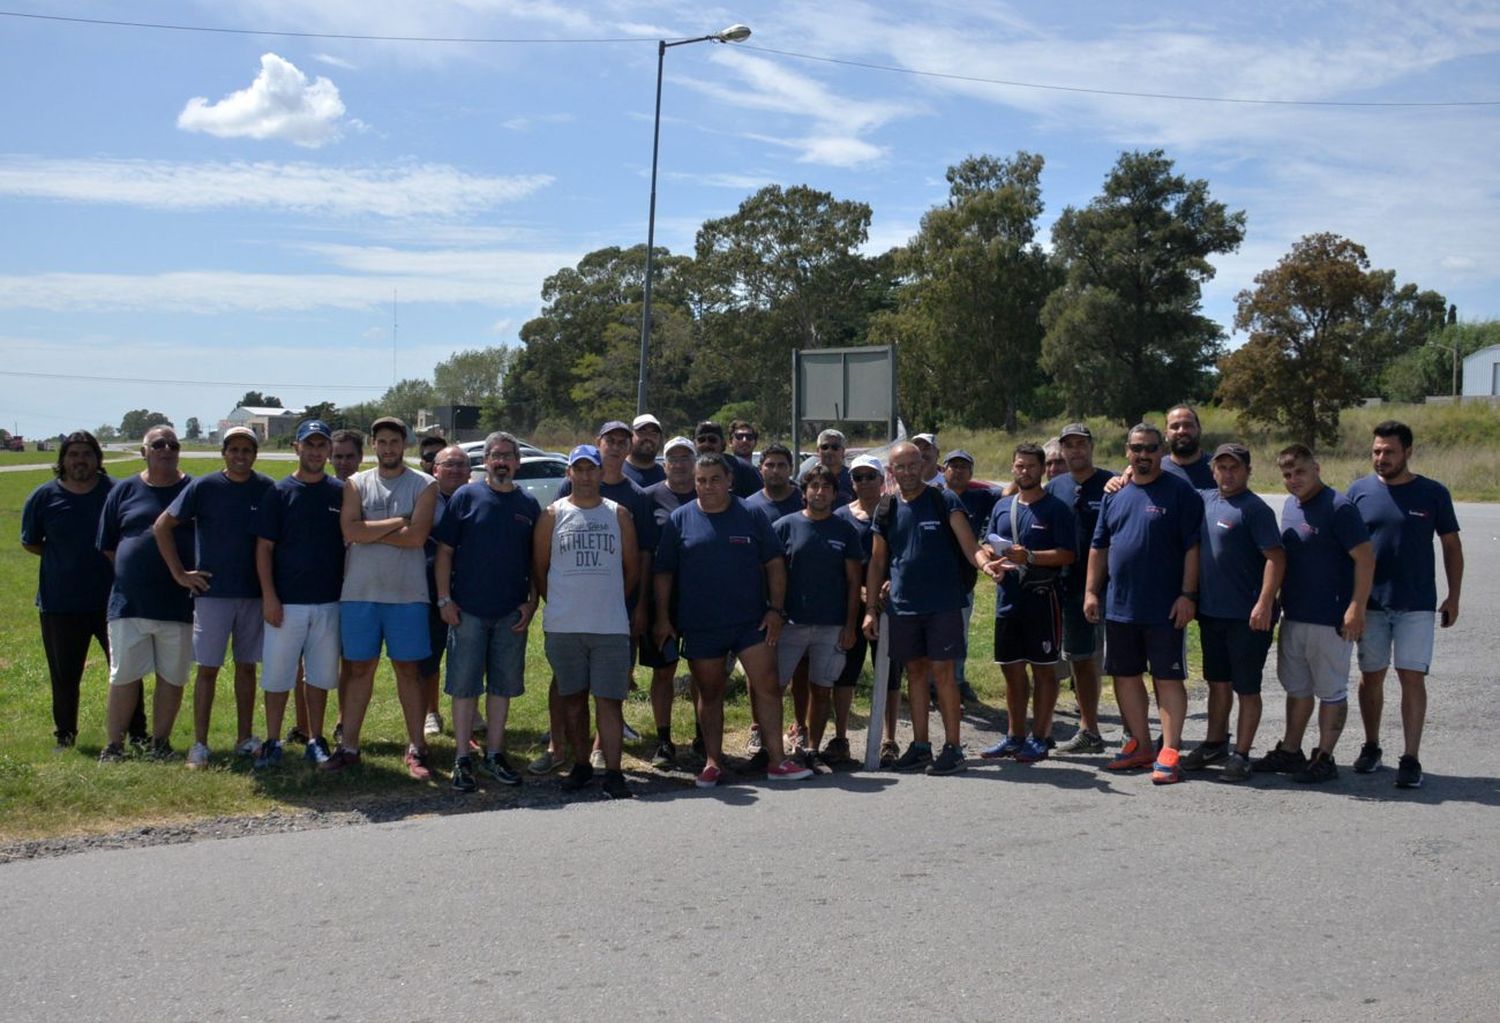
(313, 427)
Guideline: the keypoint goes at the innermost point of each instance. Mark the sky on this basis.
(188, 215)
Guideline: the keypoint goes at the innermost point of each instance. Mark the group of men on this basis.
(705, 557)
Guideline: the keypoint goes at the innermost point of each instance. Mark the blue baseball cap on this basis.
(584, 452)
(313, 427)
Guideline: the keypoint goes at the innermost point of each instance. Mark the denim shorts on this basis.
(485, 656)
(364, 623)
(1409, 633)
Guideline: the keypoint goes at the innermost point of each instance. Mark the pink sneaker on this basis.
(789, 770)
(416, 764)
(340, 760)
(709, 777)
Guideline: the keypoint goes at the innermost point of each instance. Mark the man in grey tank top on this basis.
(584, 564)
(386, 516)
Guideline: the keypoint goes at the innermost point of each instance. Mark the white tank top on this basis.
(586, 578)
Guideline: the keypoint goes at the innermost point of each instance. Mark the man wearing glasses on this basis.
(831, 446)
(744, 480)
(450, 467)
(665, 498)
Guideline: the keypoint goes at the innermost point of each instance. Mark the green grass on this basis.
(28, 458)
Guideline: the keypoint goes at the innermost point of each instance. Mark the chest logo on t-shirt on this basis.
(1224, 523)
(1307, 529)
(739, 539)
(1156, 510)
(928, 526)
(837, 545)
(1418, 513)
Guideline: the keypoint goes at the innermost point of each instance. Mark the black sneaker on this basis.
(463, 775)
(497, 767)
(1205, 753)
(966, 693)
(889, 754)
(140, 743)
(1319, 769)
(614, 786)
(835, 751)
(949, 761)
(1368, 761)
(1236, 767)
(1279, 760)
(298, 736)
(665, 757)
(918, 754)
(1408, 772)
(577, 778)
(758, 763)
(161, 750)
(112, 753)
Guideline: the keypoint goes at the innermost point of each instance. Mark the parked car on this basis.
(541, 476)
(475, 450)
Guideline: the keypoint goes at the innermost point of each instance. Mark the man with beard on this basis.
(867, 475)
(709, 437)
(348, 453)
(1403, 511)
(450, 466)
(1187, 458)
(742, 438)
(641, 465)
(777, 496)
(831, 448)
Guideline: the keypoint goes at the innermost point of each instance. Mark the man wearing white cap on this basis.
(641, 464)
(665, 498)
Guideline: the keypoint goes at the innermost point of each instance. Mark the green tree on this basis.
(328, 412)
(406, 399)
(473, 376)
(136, 422)
(1401, 320)
(193, 430)
(104, 433)
(254, 399)
(1430, 370)
(1125, 332)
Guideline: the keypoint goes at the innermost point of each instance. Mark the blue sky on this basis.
(191, 215)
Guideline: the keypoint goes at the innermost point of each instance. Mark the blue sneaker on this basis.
(317, 751)
(1006, 747)
(1032, 750)
(269, 755)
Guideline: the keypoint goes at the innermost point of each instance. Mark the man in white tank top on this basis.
(585, 563)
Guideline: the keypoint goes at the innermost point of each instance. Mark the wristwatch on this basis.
(780, 611)
(443, 602)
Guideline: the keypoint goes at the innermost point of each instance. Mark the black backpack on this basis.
(885, 514)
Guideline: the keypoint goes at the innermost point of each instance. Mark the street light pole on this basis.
(732, 34)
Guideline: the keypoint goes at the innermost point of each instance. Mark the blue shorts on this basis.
(938, 636)
(708, 644)
(1409, 633)
(1134, 649)
(364, 623)
(485, 656)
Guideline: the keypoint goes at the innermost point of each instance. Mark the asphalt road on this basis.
(1043, 892)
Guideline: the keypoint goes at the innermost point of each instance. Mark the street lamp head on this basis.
(734, 34)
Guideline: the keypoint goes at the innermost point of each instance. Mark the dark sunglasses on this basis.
(864, 477)
(170, 445)
(1144, 449)
(830, 447)
(744, 436)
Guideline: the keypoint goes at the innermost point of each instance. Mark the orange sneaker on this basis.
(1132, 758)
(1166, 770)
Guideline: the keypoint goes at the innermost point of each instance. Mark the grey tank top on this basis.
(378, 572)
(586, 578)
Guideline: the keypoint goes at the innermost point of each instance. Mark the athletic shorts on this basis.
(708, 644)
(364, 623)
(140, 646)
(485, 656)
(854, 662)
(649, 654)
(1409, 633)
(1135, 649)
(590, 662)
(1313, 660)
(933, 637)
(1082, 639)
(1032, 632)
(819, 644)
(1233, 652)
(437, 639)
(215, 619)
(309, 633)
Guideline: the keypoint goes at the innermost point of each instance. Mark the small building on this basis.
(267, 423)
(1482, 373)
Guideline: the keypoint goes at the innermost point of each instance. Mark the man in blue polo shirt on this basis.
(226, 594)
(1403, 511)
(299, 561)
(1329, 568)
(1145, 549)
(1239, 575)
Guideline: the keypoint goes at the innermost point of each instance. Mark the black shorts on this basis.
(1032, 632)
(1134, 649)
(1234, 653)
(649, 654)
(933, 637)
(437, 636)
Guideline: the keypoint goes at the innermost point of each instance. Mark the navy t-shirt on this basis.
(924, 569)
(629, 495)
(645, 477)
(1045, 524)
(864, 527)
(663, 501)
(1236, 532)
(143, 586)
(816, 555)
(490, 533)
(1402, 521)
(223, 513)
(978, 503)
(1084, 500)
(1318, 537)
(773, 510)
(74, 578)
(1148, 531)
(1200, 472)
(302, 520)
(746, 478)
(718, 560)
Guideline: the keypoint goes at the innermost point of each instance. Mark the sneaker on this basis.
(1083, 741)
(918, 754)
(966, 692)
(1032, 750)
(1368, 761)
(416, 764)
(65, 742)
(1319, 769)
(796, 738)
(161, 750)
(1166, 769)
(341, 759)
(835, 751)
(1006, 747)
(463, 774)
(1236, 767)
(1408, 772)
(1132, 757)
(1279, 760)
(338, 733)
(630, 734)
(479, 726)
(614, 786)
(1203, 754)
(596, 760)
(544, 764)
(497, 767)
(761, 761)
(665, 757)
(578, 777)
(269, 755)
(949, 761)
(112, 753)
(141, 744)
(752, 744)
(709, 777)
(789, 769)
(248, 748)
(297, 736)
(317, 751)
(890, 752)
(433, 725)
(197, 755)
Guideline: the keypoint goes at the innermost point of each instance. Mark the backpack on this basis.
(885, 515)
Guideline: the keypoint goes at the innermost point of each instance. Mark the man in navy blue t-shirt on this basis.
(978, 501)
(777, 495)
(1403, 512)
(1329, 568)
(1145, 549)
(641, 465)
(226, 595)
(1186, 457)
(663, 499)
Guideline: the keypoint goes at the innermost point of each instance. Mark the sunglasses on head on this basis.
(170, 445)
(1144, 449)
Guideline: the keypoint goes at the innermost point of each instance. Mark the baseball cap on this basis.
(313, 427)
(929, 438)
(1238, 451)
(867, 462)
(608, 428)
(960, 454)
(709, 428)
(586, 453)
(678, 442)
(645, 419)
(1076, 430)
(240, 431)
(390, 421)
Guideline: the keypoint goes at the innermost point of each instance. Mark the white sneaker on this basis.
(630, 734)
(596, 760)
(249, 747)
(433, 725)
(198, 755)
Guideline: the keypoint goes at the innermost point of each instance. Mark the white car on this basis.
(541, 476)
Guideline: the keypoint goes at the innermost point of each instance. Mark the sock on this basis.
(664, 734)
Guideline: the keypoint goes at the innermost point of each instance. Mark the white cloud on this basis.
(280, 104)
(504, 325)
(526, 123)
(375, 333)
(332, 61)
(399, 191)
